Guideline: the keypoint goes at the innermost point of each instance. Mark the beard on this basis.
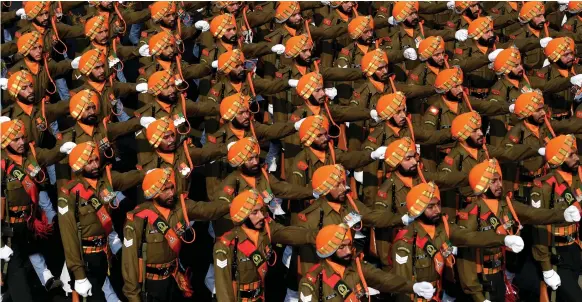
(452, 97)
(231, 40)
(90, 120)
(411, 24)
(341, 261)
(93, 174)
(430, 221)
(531, 120)
(488, 42)
(237, 78)
(368, 41)
(536, 26)
(434, 63)
(293, 25)
(573, 170)
(26, 100)
(253, 171)
(167, 58)
(408, 173)
(11, 150)
(168, 99)
(167, 203)
(473, 144)
(562, 65)
(249, 224)
(95, 79)
(303, 62)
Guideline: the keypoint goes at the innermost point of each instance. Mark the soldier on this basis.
(423, 250)
(164, 17)
(23, 178)
(36, 116)
(116, 19)
(341, 275)
(573, 22)
(481, 271)
(252, 239)
(556, 246)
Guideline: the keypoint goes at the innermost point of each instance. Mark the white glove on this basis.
(379, 153)
(5, 253)
(515, 243)
(141, 87)
(544, 41)
(494, 54)
(563, 2)
(331, 92)
(4, 119)
(461, 35)
(83, 287)
(75, 62)
(179, 121)
(278, 49)
(145, 121)
(571, 214)
(178, 82)
(214, 64)
(202, 25)
(455, 250)
(4, 83)
(391, 21)
(67, 147)
(423, 289)
(359, 176)
(511, 108)
(150, 171)
(230, 145)
(20, 13)
(298, 123)
(113, 62)
(325, 2)
(406, 220)
(293, 83)
(552, 279)
(315, 195)
(410, 54)
(542, 151)
(451, 5)
(114, 242)
(374, 115)
(144, 50)
(576, 80)
(546, 63)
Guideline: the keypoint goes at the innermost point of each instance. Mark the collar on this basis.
(253, 235)
(379, 86)
(228, 47)
(567, 177)
(535, 32)
(434, 70)
(406, 180)
(337, 268)
(91, 182)
(167, 157)
(472, 151)
(302, 69)
(103, 48)
(86, 128)
(33, 66)
(40, 29)
(166, 65)
(512, 5)
(533, 128)
(97, 86)
(165, 212)
(251, 180)
(335, 206)
(321, 155)
(27, 108)
(452, 105)
(429, 229)
(239, 133)
(16, 158)
(291, 31)
(315, 109)
(164, 106)
(345, 17)
(363, 48)
(394, 129)
(493, 205)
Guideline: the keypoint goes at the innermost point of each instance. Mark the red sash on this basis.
(101, 211)
(160, 224)
(251, 252)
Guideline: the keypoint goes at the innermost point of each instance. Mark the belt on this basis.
(566, 239)
(490, 264)
(160, 271)
(250, 294)
(96, 242)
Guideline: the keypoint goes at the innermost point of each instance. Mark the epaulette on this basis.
(567, 27)
(67, 188)
(302, 165)
(228, 238)
(433, 110)
(413, 76)
(310, 209)
(401, 236)
(313, 272)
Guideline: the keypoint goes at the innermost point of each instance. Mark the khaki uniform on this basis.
(116, 26)
(43, 87)
(558, 89)
(481, 271)
(240, 264)
(160, 257)
(48, 35)
(573, 25)
(109, 95)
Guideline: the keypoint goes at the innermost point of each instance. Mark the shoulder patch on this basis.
(129, 216)
(579, 114)
(541, 75)
(401, 259)
(413, 76)
(327, 22)
(142, 71)
(356, 94)
(514, 139)
(302, 165)
(214, 92)
(537, 182)
(451, 24)
(512, 37)
(205, 52)
(459, 51)
(449, 160)
(463, 215)
(127, 242)
(495, 10)
(144, 34)
(294, 118)
(372, 139)
(345, 51)
(433, 110)
(567, 27)
(495, 91)
(302, 217)
(228, 190)
(221, 263)
(278, 75)
(382, 194)
(212, 139)
(387, 39)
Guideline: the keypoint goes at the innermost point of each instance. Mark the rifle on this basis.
(79, 237)
(7, 230)
(142, 258)
(234, 268)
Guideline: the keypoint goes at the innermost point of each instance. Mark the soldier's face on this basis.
(475, 10)
(517, 71)
(169, 93)
(338, 193)
(538, 115)
(233, 7)
(166, 196)
(251, 166)
(26, 94)
(305, 53)
(367, 36)
(169, 19)
(477, 137)
(409, 162)
(42, 19)
(567, 59)
(438, 57)
(411, 20)
(344, 251)
(229, 35)
(17, 145)
(538, 21)
(102, 37)
(106, 4)
(168, 142)
(89, 115)
(433, 211)
(496, 186)
(347, 6)
(382, 72)
(168, 53)
(243, 117)
(91, 169)
(36, 52)
(572, 161)
(295, 19)
(98, 72)
(488, 38)
(399, 119)
(319, 94)
(321, 141)
(256, 217)
(456, 92)
(238, 73)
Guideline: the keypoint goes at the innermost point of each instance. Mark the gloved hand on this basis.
(229, 145)
(325, 2)
(461, 35)
(542, 151)
(178, 82)
(331, 92)
(298, 123)
(214, 64)
(410, 54)
(391, 21)
(67, 147)
(278, 49)
(315, 195)
(113, 62)
(515, 243)
(202, 25)
(423, 289)
(511, 108)
(5, 253)
(149, 171)
(144, 50)
(451, 5)
(572, 214)
(379, 153)
(114, 242)
(576, 80)
(359, 176)
(374, 115)
(494, 55)
(20, 13)
(546, 63)
(406, 220)
(544, 41)
(141, 87)
(179, 121)
(145, 121)
(4, 119)
(4, 83)
(293, 83)
(83, 287)
(552, 279)
(75, 62)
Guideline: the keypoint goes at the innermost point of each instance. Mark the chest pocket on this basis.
(154, 236)
(87, 215)
(532, 56)
(12, 185)
(423, 262)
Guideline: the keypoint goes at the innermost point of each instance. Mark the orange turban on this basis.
(159, 41)
(389, 104)
(464, 124)
(80, 101)
(296, 44)
(10, 130)
(326, 178)
(403, 9)
(17, 80)
(358, 25)
(154, 181)
(447, 79)
(308, 83)
(34, 8)
(418, 198)
(557, 47)
(528, 103)
(506, 60)
(219, 23)
(479, 26)
(558, 149)
(286, 9)
(160, 8)
(371, 60)
(575, 6)
(530, 9)
(89, 59)
(396, 151)
(156, 130)
(95, 24)
(429, 46)
(229, 60)
(242, 150)
(81, 154)
(330, 237)
(481, 175)
(27, 41)
(243, 203)
(310, 128)
(158, 81)
(230, 105)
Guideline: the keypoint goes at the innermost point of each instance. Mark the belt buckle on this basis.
(166, 272)
(98, 242)
(496, 263)
(570, 238)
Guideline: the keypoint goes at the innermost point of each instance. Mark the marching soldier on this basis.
(164, 17)
(424, 250)
(116, 19)
(153, 236)
(572, 25)
(242, 256)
